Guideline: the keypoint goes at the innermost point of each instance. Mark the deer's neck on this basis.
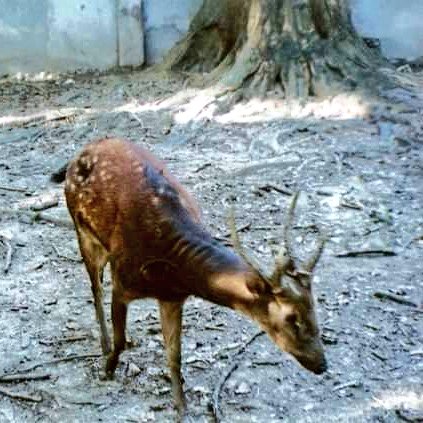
(231, 289)
(211, 271)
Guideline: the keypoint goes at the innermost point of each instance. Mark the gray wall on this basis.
(165, 22)
(66, 35)
(398, 23)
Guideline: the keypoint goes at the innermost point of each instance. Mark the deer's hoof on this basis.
(106, 348)
(106, 375)
(130, 343)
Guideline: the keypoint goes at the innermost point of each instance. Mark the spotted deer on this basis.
(130, 211)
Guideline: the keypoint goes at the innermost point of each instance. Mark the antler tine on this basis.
(285, 256)
(282, 261)
(312, 261)
(288, 222)
(236, 241)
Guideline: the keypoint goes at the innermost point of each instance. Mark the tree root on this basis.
(295, 49)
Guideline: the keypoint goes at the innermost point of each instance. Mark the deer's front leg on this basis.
(119, 313)
(171, 319)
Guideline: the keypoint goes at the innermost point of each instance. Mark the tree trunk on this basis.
(294, 48)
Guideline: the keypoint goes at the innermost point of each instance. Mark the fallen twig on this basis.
(353, 206)
(383, 295)
(409, 416)
(50, 342)
(379, 356)
(277, 188)
(60, 360)
(40, 118)
(235, 363)
(45, 204)
(13, 189)
(38, 216)
(240, 229)
(9, 253)
(202, 167)
(218, 328)
(351, 384)
(65, 257)
(225, 237)
(15, 378)
(267, 363)
(264, 164)
(20, 395)
(363, 253)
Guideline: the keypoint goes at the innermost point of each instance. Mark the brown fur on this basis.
(128, 210)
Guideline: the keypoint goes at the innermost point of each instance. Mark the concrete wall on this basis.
(66, 35)
(165, 22)
(398, 23)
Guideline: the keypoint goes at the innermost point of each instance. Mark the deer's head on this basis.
(284, 305)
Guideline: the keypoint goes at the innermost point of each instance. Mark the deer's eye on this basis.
(295, 323)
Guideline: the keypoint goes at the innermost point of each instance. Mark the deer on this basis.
(130, 211)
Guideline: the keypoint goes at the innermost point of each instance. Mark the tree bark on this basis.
(294, 48)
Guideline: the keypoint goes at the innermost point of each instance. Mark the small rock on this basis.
(308, 407)
(147, 416)
(154, 371)
(243, 388)
(201, 390)
(152, 344)
(133, 370)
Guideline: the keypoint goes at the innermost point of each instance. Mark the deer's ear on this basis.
(283, 292)
(258, 286)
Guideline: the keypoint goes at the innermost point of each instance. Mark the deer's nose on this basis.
(322, 367)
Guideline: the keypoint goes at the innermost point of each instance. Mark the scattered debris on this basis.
(232, 367)
(363, 184)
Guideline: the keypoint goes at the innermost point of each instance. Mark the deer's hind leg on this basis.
(95, 258)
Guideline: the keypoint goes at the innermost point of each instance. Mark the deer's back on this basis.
(124, 195)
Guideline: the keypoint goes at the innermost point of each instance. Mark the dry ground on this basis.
(361, 178)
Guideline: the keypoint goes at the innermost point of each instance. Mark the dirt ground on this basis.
(360, 173)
